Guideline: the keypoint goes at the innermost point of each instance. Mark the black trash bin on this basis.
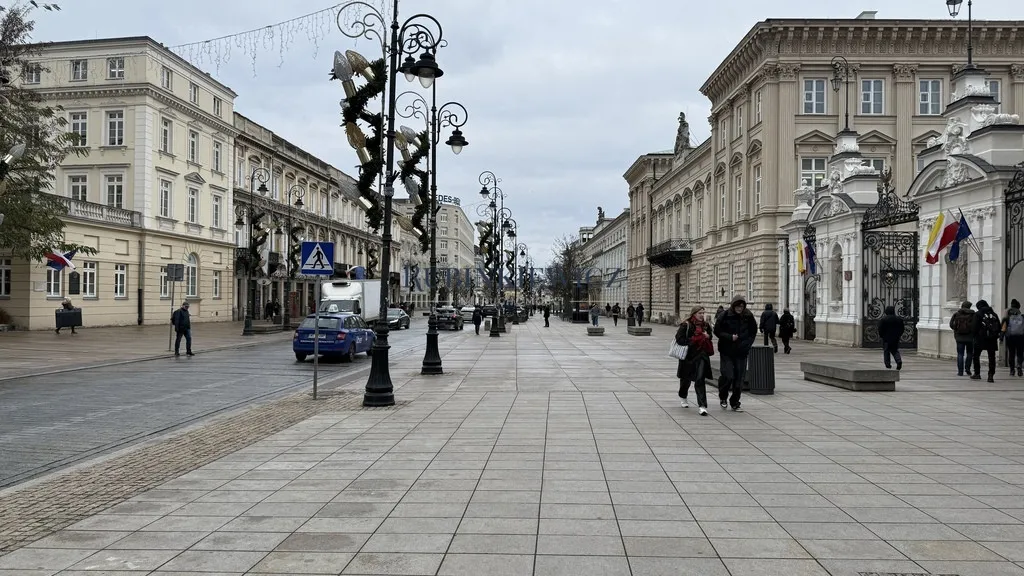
(68, 318)
(760, 371)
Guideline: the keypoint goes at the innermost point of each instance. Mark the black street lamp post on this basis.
(497, 211)
(296, 191)
(261, 175)
(840, 76)
(510, 226)
(453, 115)
(954, 10)
(407, 39)
(520, 251)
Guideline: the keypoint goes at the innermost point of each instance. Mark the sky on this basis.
(562, 95)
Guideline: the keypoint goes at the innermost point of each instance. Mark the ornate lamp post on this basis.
(296, 191)
(841, 75)
(509, 226)
(497, 212)
(261, 175)
(523, 252)
(454, 115)
(407, 39)
(954, 9)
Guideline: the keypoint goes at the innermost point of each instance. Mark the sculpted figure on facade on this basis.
(858, 166)
(682, 134)
(835, 182)
(804, 194)
(846, 147)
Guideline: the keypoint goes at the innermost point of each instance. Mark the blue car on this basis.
(341, 336)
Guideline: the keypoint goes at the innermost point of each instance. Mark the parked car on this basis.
(489, 310)
(449, 319)
(398, 319)
(341, 336)
(467, 313)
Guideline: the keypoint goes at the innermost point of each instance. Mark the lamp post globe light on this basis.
(954, 9)
(261, 175)
(496, 210)
(413, 35)
(453, 115)
(296, 191)
(840, 76)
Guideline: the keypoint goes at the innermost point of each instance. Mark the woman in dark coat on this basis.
(694, 333)
(787, 328)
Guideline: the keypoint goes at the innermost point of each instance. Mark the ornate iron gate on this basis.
(890, 265)
(810, 286)
(1014, 198)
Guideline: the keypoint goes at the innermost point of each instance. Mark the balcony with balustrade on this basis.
(670, 253)
(90, 211)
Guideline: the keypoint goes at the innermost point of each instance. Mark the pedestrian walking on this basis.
(787, 328)
(696, 367)
(769, 324)
(630, 313)
(478, 318)
(182, 322)
(67, 305)
(639, 313)
(595, 313)
(1013, 328)
(962, 324)
(890, 330)
(607, 309)
(547, 316)
(615, 313)
(987, 331)
(736, 332)
(719, 313)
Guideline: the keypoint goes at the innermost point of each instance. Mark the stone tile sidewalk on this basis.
(24, 353)
(545, 452)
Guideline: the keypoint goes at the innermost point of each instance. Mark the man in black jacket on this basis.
(736, 331)
(890, 330)
(182, 322)
(478, 317)
(987, 331)
(769, 323)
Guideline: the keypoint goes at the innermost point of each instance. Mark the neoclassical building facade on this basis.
(706, 220)
(605, 252)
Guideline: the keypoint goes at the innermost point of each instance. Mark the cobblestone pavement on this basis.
(545, 452)
(53, 420)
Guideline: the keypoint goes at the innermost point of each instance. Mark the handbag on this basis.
(676, 351)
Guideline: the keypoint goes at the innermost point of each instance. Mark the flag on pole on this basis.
(800, 267)
(809, 248)
(59, 261)
(932, 254)
(963, 232)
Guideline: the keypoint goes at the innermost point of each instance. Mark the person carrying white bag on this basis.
(693, 348)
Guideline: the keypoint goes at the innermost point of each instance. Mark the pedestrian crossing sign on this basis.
(318, 258)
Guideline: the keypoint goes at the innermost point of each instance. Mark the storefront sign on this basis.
(448, 200)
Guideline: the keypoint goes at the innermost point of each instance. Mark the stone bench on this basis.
(595, 330)
(638, 330)
(851, 376)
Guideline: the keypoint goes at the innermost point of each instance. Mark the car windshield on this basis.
(394, 312)
(325, 323)
(336, 306)
(446, 310)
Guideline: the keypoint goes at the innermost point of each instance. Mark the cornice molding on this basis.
(904, 72)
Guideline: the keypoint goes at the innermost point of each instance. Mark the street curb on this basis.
(132, 361)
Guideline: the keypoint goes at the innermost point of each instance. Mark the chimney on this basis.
(867, 15)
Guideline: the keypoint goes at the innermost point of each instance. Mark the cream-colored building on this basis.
(329, 211)
(455, 253)
(705, 220)
(154, 189)
(605, 254)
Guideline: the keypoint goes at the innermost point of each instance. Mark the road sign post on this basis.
(317, 260)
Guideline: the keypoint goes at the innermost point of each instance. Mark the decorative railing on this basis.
(670, 245)
(102, 213)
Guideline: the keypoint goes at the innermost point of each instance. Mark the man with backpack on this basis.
(987, 330)
(962, 324)
(1013, 327)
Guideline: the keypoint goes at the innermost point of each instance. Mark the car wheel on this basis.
(299, 357)
(351, 355)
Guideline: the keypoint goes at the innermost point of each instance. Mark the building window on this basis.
(812, 171)
(750, 279)
(239, 171)
(53, 287)
(115, 128)
(79, 188)
(88, 279)
(218, 106)
(5, 277)
(80, 127)
(193, 205)
(165, 285)
(757, 106)
(167, 78)
(442, 259)
(166, 136)
(218, 150)
(191, 276)
(920, 164)
(721, 202)
(115, 68)
(814, 96)
(443, 231)
(165, 198)
(215, 210)
(193, 93)
(739, 122)
(700, 217)
(120, 280)
(872, 97)
(738, 185)
(115, 191)
(33, 74)
(757, 189)
(216, 283)
(193, 146)
(994, 88)
(876, 163)
(723, 133)
(442, 245)
(931, 97)
(442, 217)
(79, 70)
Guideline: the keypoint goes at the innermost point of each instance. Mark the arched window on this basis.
(837, 273)
(192, 276)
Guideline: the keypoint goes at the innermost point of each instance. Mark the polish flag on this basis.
(940, 241)
(59, 261)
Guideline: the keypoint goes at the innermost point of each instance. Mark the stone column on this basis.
(770, 196)
(788, 108)
(714, 209)
(782, 274)
(903, 162)
(1017, 75)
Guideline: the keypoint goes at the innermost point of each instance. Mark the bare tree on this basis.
(566, 271)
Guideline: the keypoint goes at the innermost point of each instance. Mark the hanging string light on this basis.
(279, 37)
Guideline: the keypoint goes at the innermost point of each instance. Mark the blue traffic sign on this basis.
(318, 258)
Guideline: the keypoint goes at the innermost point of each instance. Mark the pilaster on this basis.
(904, 171)
(1017, 76)
(788, 108)
(769, 123)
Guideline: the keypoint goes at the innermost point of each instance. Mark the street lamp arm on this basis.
(416, 109)
(487, 179)
(259, 174)
(365, 26)
(415, 36)
(450, 115)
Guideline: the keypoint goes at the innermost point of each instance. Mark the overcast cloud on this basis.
(562, 95)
